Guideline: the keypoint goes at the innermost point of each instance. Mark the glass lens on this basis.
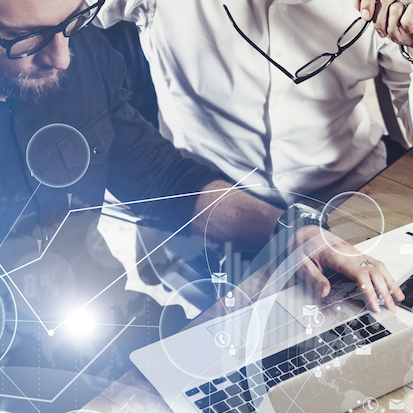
(351, 33)
(314, 65)
(78, 24)
(30, 45)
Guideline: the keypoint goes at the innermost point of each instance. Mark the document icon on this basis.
(363, 350)
(310, 310)
(396, 404)
(219, 277)
(406, 249)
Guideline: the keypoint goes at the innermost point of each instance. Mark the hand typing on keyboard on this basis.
(317, 253)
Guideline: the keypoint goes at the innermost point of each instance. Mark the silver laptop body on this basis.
(289, 352)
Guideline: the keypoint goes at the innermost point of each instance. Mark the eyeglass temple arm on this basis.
(256, 47)
(405, 53)
(4, 42)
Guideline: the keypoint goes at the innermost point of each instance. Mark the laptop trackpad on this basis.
(276, 326)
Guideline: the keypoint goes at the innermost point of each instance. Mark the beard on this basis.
(28, 85)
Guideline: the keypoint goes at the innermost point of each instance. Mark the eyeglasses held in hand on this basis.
(31, 43)
(315, 66)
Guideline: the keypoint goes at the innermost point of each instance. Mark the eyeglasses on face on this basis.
(31, 43)
(318, 64)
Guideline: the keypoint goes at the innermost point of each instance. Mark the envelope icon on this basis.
(396, 404)
(363, 350)
(219, 277)
(310, 310)
(406, 249)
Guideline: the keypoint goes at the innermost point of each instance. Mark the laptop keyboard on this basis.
(243, 390)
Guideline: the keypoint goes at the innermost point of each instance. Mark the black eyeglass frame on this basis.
(53, 30)
(295, 78)
(405, 54)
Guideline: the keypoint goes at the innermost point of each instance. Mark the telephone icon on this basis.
(370, 405)
(222, 339)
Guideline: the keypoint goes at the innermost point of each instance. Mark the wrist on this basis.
(295, 217)
(298, 215)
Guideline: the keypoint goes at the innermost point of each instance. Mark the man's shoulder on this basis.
(94, 54)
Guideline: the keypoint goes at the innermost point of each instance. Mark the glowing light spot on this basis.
(51, 333)
(80, 323)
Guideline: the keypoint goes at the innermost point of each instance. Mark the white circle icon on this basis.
(222, 339)
(370, 404)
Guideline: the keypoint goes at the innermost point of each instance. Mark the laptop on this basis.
(290, 351)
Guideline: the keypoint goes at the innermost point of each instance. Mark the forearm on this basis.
(249, 224)
(238, 217)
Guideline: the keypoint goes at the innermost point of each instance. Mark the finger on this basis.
(365, 285)
(406, 39)
(394, 289)
(311, 274)
(357, 4)
(366, 8)
(370, 278)
(380, 16)
(380, 285)
(407, 20)
(396, 11)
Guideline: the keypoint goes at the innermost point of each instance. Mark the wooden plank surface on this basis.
(392, 190)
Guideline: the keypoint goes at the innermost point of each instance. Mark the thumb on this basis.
(310, 273)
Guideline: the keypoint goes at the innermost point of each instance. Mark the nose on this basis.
(56, 54)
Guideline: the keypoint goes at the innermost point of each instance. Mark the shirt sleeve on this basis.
(140, 12)
(397, 75)
(144, 165)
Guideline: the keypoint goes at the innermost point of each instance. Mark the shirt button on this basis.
(95, 151)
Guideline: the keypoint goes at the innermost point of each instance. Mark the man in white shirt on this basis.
(225, 105)
(37, 40)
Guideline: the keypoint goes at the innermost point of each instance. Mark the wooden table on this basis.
(392, 190)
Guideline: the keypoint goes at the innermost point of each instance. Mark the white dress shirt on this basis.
(225, 105)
